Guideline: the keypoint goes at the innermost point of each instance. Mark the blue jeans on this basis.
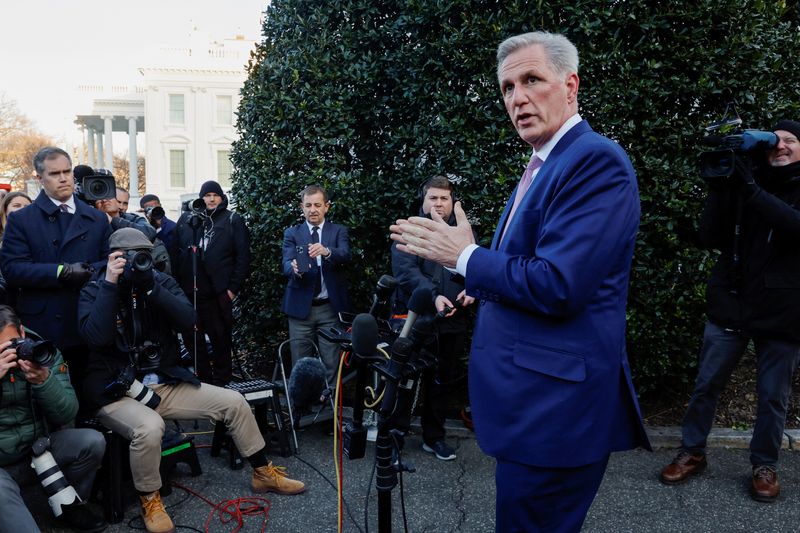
(776, 362)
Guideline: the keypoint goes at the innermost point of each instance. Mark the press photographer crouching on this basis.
(36, 398)
(128, 315)
(753, 293)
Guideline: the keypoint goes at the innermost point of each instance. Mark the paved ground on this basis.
(458, 496)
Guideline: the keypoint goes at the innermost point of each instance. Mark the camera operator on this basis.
(129, 314)
(412, 272)
(223, 264)
(50, 250)
(157, 217)
(752, 295)
(35, 397)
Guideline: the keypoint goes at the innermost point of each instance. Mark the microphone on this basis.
(383, 292)
(401, 353)
(307, 382)
(364, 334)
(420, 303)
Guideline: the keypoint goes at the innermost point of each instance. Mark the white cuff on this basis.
(463, 259)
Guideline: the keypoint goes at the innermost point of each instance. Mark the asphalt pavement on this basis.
(458, 496)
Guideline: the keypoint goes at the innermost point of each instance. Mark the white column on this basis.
(81, 146)
(100, 150)
(133, 162)
(90, 148)
(109, 151)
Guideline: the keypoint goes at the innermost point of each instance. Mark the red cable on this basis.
(236, 509)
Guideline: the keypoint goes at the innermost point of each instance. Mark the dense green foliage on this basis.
(370, 98)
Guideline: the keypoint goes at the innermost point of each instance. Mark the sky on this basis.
(49, 47)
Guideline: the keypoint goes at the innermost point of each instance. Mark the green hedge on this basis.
(371, 98)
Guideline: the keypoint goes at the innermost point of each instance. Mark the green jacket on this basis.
(18, 426)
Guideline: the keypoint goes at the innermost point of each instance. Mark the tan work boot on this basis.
(155, 517)
(273, 479)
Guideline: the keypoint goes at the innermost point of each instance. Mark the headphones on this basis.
(423, 183)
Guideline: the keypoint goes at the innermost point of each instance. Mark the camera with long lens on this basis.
(138, 265)
(42, 353)
(59, 491)
(94, 184)
(154, 213)
(126, 384)
(731, 142)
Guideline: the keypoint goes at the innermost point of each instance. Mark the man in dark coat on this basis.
(752, 295)
(447, 288)
(314, 256)
(158, 218)
(222, 242)
(50, 250)
(129, 317)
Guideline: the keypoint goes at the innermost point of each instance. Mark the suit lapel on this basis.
(79, 223)
(563, 144)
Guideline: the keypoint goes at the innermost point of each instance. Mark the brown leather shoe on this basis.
(682, 467)
(765, 486)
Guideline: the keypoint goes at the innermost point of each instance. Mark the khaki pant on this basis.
(144, 427)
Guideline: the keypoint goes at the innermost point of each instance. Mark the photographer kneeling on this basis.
(128, 315)
(753, 293)
(37, 395)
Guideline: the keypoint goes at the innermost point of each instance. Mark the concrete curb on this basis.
(670, 437)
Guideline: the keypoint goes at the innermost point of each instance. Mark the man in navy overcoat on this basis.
(549, 380)
(50, 249)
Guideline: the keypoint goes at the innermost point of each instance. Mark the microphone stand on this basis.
(196, 223)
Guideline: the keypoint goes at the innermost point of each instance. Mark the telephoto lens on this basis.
(143, 394)
(59, 491)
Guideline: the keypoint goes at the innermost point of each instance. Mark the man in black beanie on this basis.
(222, 244)
(752, 295)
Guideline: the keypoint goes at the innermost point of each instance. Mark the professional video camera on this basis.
(731, 142)
(126, 384)
(94, 184)
(42, 352)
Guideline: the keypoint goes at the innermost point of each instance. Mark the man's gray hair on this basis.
(560, 51)
(48, 152)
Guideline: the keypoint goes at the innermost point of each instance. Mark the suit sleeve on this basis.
(241, 247)
(585, 231)
(16, 259)
(288, 252)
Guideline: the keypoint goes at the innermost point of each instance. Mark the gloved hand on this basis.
(143, 280)
(75, 274)
(744, 173)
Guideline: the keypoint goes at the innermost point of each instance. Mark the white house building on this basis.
(185, 107)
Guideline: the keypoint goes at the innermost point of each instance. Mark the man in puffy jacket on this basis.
(37, 401)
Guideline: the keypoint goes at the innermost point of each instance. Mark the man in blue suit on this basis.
(314, 256)
(549, 341)
(50, 249)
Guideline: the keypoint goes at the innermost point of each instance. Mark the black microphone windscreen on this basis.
(82, 171)
(402, 350)
(307, 381)
(387, 282)
(364, 334)
(421, 301)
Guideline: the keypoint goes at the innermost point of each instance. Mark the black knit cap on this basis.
(148, 198)
(791, 126)
(211, 186)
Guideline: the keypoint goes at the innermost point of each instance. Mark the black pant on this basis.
(437, 385)
(215, 319)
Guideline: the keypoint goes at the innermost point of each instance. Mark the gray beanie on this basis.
(129, 239)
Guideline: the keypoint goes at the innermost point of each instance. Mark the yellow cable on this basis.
(371, 390)
(336, 399)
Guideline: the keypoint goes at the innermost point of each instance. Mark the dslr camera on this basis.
(92, 185)
(126, 384)
(731, 141)
(42, 353)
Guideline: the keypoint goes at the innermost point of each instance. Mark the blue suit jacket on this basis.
(33, 247)
(300, 290)
(549, 380)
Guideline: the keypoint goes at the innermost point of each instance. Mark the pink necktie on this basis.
(524, 184)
